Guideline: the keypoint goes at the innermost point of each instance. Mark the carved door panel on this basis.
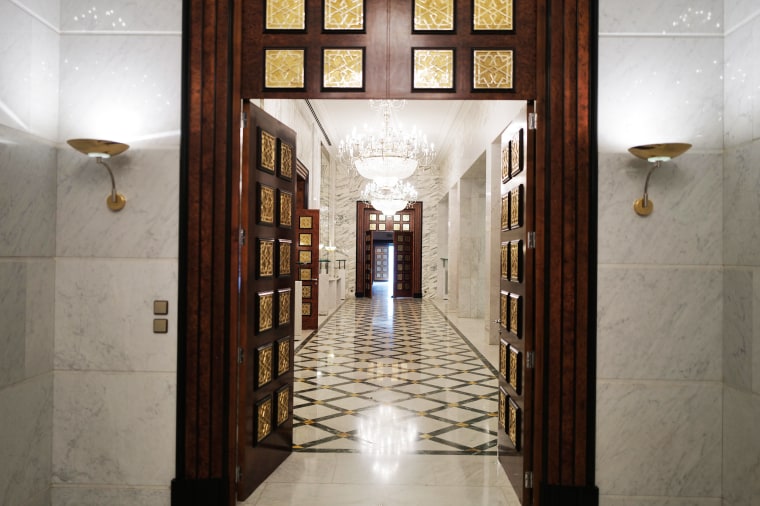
(265, 382)
(368, 246)
(403, 246)
(307, 258)
(516, 343)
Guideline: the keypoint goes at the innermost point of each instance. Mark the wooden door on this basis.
(381, 262)
(368, 245)
(403, 264)
(516, 282)
(307, 256)
(265, 353)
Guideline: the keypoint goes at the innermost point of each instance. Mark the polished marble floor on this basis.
(393, 405)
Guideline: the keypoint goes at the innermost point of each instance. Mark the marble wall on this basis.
(660, 396)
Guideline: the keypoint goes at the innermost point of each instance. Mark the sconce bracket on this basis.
(643, 209)
(116, 202)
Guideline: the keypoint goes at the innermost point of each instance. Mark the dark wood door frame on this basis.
(565, 313)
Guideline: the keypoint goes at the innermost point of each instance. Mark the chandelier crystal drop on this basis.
(387, 154)
(389, 200)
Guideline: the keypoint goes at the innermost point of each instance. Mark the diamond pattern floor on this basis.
(390, 376)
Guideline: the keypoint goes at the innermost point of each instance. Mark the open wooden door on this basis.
(516, 289)
(266, 282)
(403, 245)
(307, 251)
(368, 248)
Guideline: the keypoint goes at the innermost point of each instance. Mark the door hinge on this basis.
(532, 121)
(241, 355)
(238, 474)
(241, 236)
(243, 119)
(528, 479)
(530, 360)
(531, 240)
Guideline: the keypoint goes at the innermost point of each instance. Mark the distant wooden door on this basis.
(382, 262)
(265, 378)
(307, 256)
(403, 263)
(516, 288)
(368, 264)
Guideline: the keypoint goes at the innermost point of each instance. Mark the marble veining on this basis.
(12, 315)
(741, 440)
(113, 496)
(737, 328)
(741, 186)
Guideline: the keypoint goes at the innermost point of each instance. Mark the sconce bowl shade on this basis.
(97, 147)
(662, 152)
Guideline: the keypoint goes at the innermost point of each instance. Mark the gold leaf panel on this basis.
(516, 161)
(515, 315)
(266, 303)
(283, 405)
(284, 68)
(503, 347)
(492, 15)
(505, 212)
(263, 418)
(264, 365)
(516, 208)
(502, 409)
(305, 292)
(505, 261)
(304, 256)
(433, 15)
(504, 309)
(306, 309)
(286, 161)
(286, 209)
(515, 261)
(505, 163)
(304, 239)
(283, 317)
(268, 145)
(285, 14)
(492, 69)
(285, 247)
(305, 222)
(343, 68)
(266, 258)
(433, 69)
(344, 15)
(514, 421)
(266, 204)
(283, 356)
(515, 370)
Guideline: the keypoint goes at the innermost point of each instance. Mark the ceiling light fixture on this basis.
(656, 154)
(100, 149)
(389, 200)
(387, 154)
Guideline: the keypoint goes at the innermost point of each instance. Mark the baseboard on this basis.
(197, 492)
(562, 495)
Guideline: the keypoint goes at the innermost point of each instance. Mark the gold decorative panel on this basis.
(283, 315)
(286, 209)
(306, 309)
(263, 418)
(268, 151)
(305, 222)
(286, 161)
(505, 163)
(505, 260)
(284, 68)
(304, 239)
(264, 356)
(433, 15)
(285, 15)
(515, 261)
(284, 263)
(516, 153)
(305, 292)
(492, 69)
(266, 258)
(433, 69)
(343, 68)
(283, 356)
(305, 274)
(505, 212)
(503, 364)
(515, 370)
(515, 315)
(344, 15)
(492, 15)
(516, 208)
(504, 309)
(502, 409)
(265, 306)
(514, 422)
(283, 405)
(304, 256)
(266, 204)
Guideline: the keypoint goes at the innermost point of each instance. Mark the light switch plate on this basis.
(160, 307)
(160, 326)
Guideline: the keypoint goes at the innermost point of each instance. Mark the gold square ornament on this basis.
(283, 315)
(343, 68)
(306, 309)
(433, 15)
(304, 222)
(304, 256)
(305, 274)
(433, 69)
(284, 68)
(304, 239)
(263, 418)
(492, 15)
(285, 15)
(492, 69)
(345, 15)
(267, 145)
(306, 292)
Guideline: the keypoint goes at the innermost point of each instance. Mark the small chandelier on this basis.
(389, 200)
(390, 154)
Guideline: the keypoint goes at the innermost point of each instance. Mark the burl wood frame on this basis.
(565, 307)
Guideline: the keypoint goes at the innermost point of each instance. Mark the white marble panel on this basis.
(659, 439)
(114, 428)
(756, 331)
(659, 323)
(26, 418)
(27, 195)
(110, 495)
(148, 224)
(675, 16)
(742, 76)
(685, 226)
(741, 447)
(12, 316)
(49, 11)
(739, 11)
(111, 90)
(40, 316)
(664, 90)
(737, 328)
(30, 70)
(741, 186)
(104, 315)
(131, 15)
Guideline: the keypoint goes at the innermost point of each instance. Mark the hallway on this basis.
(393, 405)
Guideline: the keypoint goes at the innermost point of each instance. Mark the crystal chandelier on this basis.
(389, 200)
(387, 155)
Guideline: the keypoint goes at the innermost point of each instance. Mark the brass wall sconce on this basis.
(100, 149)
(656, 154)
